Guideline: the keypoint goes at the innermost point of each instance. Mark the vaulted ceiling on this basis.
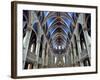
(58, 28)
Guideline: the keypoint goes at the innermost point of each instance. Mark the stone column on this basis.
(47, 60)
(37, 51)
(78, 45)
(52, 59)
(66, 57)
(79, 51)
(25, 46)
(74, 50)
(82, 21)
(87, 37)
(71, 55)
(27, 39)
(47, 56)
(43, 53)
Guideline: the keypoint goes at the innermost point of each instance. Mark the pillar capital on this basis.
(85, 28)
(29, 28)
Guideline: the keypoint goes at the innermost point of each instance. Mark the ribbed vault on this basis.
(59, 29)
